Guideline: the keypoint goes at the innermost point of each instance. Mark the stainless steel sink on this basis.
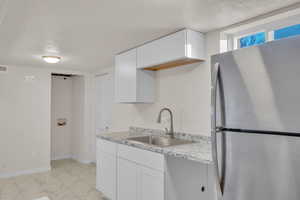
(159, 141)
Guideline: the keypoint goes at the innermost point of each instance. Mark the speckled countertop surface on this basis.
(199, 151)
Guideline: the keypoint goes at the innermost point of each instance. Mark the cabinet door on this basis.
(185, 180)
(151, 184)
(169, 48)
(125, 77)
(127, 180)
(106, 174)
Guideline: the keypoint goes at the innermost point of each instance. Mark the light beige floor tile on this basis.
(80, 189)
(9, 191)
(66, 195)
(68, 180)
(94, 195)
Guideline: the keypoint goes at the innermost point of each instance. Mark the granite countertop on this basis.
(199, 150)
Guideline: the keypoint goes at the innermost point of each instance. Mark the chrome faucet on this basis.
(170, 132)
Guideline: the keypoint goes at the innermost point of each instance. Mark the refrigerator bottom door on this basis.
(262, 167)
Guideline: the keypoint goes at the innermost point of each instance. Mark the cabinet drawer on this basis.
(107, 147)
(143, 157)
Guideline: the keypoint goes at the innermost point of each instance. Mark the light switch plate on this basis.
(29, 78)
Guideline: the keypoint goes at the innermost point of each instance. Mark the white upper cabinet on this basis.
(182, 47)
(132, 85)
(134, 76)
(166, 49)
(125, 76)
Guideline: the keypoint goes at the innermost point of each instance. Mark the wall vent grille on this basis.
(3, 69)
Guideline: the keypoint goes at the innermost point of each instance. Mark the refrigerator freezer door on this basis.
(262, 167)
(262, 86)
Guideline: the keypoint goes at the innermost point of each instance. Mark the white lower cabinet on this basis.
(127, 180)
(106, 180)
(187, 180)
(136, 182)
(151, 184)
(140, 174)
(107, 175)
(128, 173)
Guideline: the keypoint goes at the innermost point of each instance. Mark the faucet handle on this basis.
(169, 133)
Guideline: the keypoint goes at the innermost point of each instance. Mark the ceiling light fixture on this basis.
(51, 59)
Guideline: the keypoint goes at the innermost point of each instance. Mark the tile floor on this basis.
(68, 180)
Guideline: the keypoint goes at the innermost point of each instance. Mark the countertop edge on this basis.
(164, 151)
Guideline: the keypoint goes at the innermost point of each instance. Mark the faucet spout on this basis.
(170, 132)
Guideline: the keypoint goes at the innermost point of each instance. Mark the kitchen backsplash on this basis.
(186, 136)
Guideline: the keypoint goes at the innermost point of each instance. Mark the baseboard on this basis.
(84, 161)
(24, 172)
(62, 157)
(81, 161)
(93, 162)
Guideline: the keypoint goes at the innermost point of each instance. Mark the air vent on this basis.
(3, 69)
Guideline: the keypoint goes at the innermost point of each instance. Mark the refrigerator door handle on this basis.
(215, 129)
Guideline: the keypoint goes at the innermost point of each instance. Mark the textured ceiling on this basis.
(87, 33)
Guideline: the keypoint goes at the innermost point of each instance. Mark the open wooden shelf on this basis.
(172, 64)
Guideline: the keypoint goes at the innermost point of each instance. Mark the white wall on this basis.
(77, 118)
(186, 90)
(61, 108)
(81, 120)
(24, 121)
(89, 117)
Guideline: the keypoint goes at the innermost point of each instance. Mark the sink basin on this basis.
(159, 141)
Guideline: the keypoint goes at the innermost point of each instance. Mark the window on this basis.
(261, 37)
(287, 32)
(276, 26)
(251, 40)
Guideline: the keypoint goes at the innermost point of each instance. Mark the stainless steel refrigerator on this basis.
(256, 121)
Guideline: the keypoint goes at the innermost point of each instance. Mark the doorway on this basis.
(67, 116)
(61, 114)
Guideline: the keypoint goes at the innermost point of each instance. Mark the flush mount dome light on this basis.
(51, 59)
